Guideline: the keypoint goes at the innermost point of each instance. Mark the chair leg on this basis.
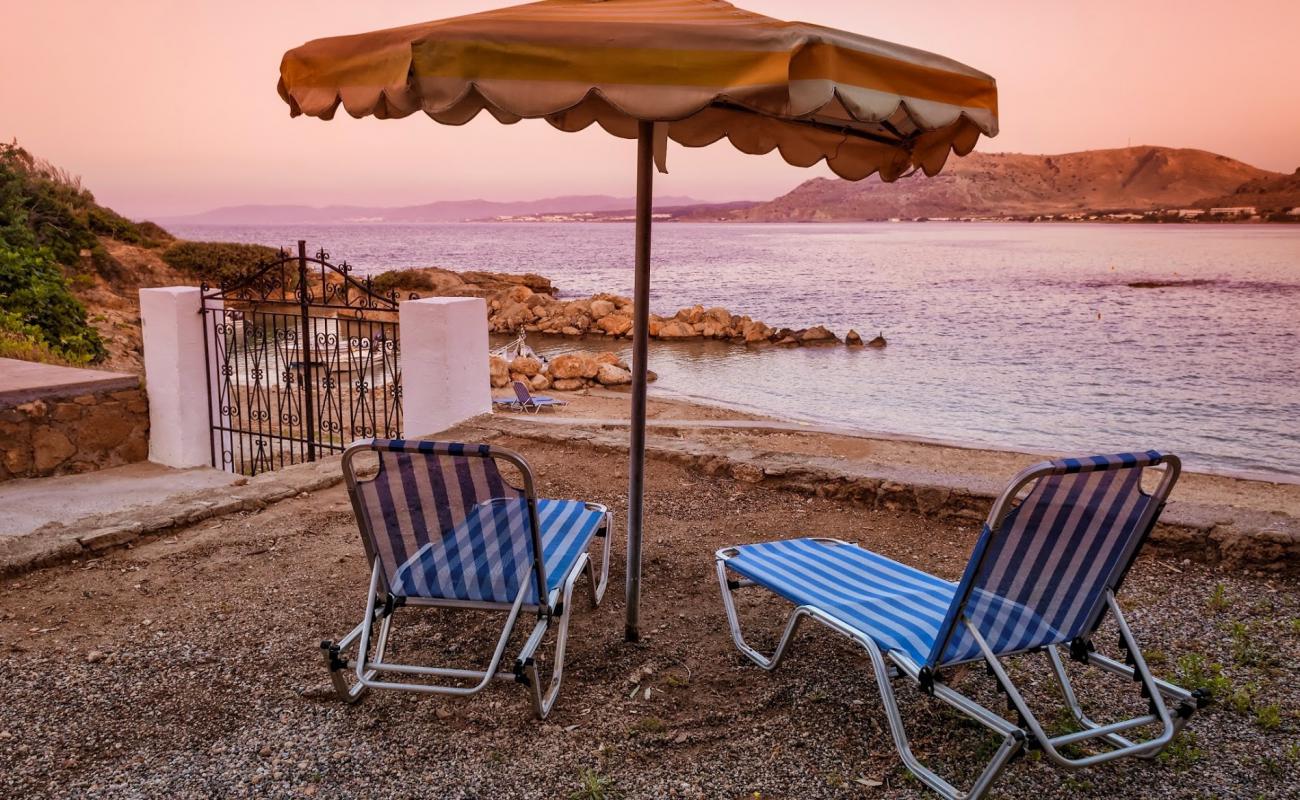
(339, 666)
(768, 663)
(1152, 690)
(526, 670)
(1188, 702)
(598, 587)
(1012, 738)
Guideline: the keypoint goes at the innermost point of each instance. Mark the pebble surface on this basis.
(188, 667)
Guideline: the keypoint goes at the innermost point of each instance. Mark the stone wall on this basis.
(61, 434)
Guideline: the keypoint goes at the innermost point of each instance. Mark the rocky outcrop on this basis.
(569, 372)
(520, 306)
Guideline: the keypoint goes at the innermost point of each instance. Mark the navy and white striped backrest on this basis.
(443, 522)
(1038, 575)
(524, 396)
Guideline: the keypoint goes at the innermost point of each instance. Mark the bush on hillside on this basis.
(42, 205)
(38, 310)
(215, 262)
(403, 280)
(25, 342)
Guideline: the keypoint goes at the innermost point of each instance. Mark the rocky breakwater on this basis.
(611, 315)
(565, 373)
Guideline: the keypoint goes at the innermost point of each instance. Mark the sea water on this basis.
(1046, 337)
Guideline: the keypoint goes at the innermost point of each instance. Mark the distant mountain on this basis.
(441, 211)
(1277, 193)
(1016, 185)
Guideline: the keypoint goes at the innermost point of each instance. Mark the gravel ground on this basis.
(188, 667)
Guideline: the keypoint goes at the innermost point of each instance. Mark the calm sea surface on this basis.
(1004, 335)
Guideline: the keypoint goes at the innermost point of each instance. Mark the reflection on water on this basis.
(1046, 337)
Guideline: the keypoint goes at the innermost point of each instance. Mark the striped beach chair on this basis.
(1043, 575)
(443, 528)
(525, 400)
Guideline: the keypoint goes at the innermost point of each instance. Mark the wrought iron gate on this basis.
(303, 358)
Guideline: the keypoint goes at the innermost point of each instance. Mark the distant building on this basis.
(1295, 212)
(1234, 211)
(1187, 213)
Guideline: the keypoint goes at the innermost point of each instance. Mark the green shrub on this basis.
(593, 786)
(403, 280)
(1269, 717)
(44, 206)
(215, 262)
(24, 342)
(38, 308)
(1218, 599)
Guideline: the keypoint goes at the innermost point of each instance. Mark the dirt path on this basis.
(188, 667)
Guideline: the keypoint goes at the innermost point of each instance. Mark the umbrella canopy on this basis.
(708, 69)
(695, 71)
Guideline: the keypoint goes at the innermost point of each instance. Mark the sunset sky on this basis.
(169, 108)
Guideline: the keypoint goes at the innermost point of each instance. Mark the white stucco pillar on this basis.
(445, 376)
(175, 369)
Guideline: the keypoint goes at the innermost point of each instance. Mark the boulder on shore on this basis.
(568, 372)
(499, 371)
(817, 335)
(525, 365)
(610, 375)
(614, 324)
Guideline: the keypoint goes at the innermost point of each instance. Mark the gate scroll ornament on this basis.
(302, 359)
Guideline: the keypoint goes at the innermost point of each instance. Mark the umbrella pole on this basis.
(640, 348)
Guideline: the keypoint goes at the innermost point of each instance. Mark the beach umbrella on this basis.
(694, 71)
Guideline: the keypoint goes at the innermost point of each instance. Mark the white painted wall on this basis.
(444, 363)
(175, 368)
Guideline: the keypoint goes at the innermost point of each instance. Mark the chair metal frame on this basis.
(1029, 732)
(367, 663)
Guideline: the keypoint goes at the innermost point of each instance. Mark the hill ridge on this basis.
(1138, 178)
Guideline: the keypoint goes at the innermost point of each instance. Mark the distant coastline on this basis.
(1128, 185)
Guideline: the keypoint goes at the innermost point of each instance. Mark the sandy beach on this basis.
(726, 428)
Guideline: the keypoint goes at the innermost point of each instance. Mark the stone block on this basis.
(104, 538)
(50, 448)
(66, 412)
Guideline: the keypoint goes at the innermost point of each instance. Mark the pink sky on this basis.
(169, 108)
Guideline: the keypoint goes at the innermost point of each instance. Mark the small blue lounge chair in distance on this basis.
(1044, 573)
(443, 528)
(527, 401)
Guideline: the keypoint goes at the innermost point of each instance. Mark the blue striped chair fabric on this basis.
(1038, 580)
(900, 607)
(490, 553)
(1056, 553)
(444, 523)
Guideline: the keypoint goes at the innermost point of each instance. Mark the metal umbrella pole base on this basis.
(640, 348)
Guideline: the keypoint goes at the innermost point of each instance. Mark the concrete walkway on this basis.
(33, 503)
(21, 381)
(76, 516)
